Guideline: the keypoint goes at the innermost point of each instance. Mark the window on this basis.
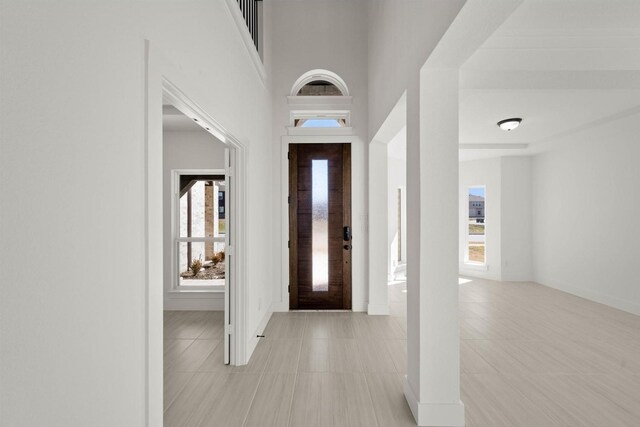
(476, 236)
(320, 123)
(199, 231)
(319, 82)
(325, 119)
(320, 224)
(319, 88)
(221, 211)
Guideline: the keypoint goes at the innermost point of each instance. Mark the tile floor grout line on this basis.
(495, 368)
(218, 342)
(262, 374)
(205, 393)
(253, 396)
(375, 413)
(179, 354)
(192, 374)
(500, 316)
(295, 378)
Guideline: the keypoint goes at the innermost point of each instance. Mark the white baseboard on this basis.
(280, 307)
(378, 309)
(283, 307)
(253, 340)
(434, 414)
(620, 304)
(359, 306)
(481, 271)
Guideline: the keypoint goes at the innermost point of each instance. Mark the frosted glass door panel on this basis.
(320, 224)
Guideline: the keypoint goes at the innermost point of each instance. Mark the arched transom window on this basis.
(320, 83)
(319, 88)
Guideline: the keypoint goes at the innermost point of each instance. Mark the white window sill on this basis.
(216, 289)
(475, 266)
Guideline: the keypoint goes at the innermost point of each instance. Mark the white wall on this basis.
(585, 214)
(186, 150)
(329, 35)
(515, 233)
(402, 34)
(507, 216)
(73, 177)
(567, 214)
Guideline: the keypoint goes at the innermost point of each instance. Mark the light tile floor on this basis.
(530, 356)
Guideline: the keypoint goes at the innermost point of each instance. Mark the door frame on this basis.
(158, 90)
(284, 180)
(347, 279)
(235, 298)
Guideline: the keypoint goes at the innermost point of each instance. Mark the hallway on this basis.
(530, 356)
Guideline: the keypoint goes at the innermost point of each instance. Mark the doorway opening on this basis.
(221, 333)
(202, 306)
(396, 159)
(196, 284)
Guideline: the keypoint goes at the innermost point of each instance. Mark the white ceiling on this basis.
(174, 121)
(560, 65)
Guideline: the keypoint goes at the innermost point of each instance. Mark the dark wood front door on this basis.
(320, 226)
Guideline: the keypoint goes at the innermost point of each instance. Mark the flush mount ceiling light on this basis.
(509, 124)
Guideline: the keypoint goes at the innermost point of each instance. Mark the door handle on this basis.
(346, 233)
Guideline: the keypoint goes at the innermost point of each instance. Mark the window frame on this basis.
(467, 261)
(176, 239)
(320, 115)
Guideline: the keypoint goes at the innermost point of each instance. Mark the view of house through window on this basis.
(476, 237)
(201, 231)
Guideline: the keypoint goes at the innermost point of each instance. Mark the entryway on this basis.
(320, 236)
(203, 308)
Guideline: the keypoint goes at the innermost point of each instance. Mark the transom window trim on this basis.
(320, 123)
(320, 75)
(343, 117)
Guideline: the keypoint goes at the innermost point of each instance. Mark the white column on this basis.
(432, 385)
(378, 224)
